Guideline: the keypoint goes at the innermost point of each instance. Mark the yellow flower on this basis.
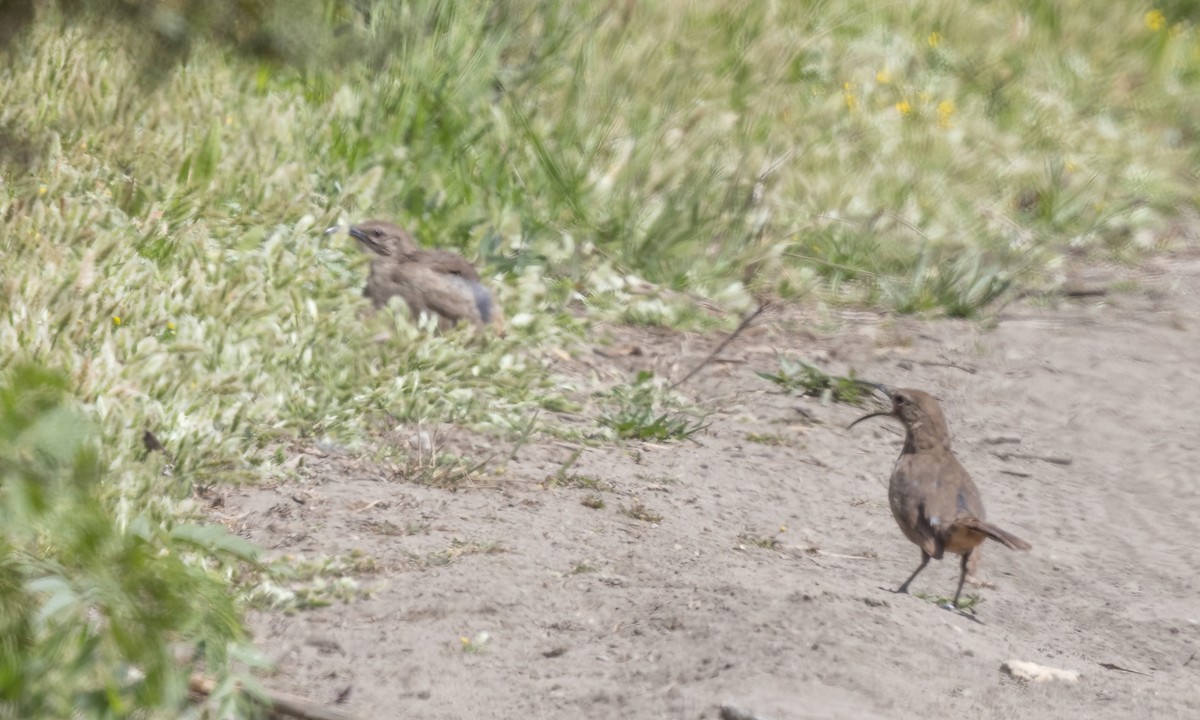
(783, 528)
(849, 96)
(41, 190)
(903, 107)
(883, 77)
(1155, 20)
(935, 39)
(945, 111)
(228, 119)
(171, 326)
(116, 320)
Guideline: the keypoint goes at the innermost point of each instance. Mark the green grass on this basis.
(620, 159)
(808, 379)
(766, 542)
(578, 481)
(638, 511)
(161, 242)
(645, 410)
(773, 439)
(292, 583)
(98, 598)
(460, 548)
(965, 604)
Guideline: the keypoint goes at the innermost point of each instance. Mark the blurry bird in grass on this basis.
(433, 282)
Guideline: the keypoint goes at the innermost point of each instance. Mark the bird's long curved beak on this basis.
(883, 413)
(887, 413)
(366, 241)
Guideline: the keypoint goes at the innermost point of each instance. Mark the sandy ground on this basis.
(593, 613)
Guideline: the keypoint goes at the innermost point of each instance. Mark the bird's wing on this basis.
(945, 488)
(953, 506)
(449, 296)
(907, 495)
(446, 262)
(462, 278)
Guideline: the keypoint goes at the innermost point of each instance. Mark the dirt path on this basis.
(592, 613)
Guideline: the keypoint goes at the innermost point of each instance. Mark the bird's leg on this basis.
(924, 561)
(962, 575)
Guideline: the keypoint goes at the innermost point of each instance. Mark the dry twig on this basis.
(738, 331)
(279, 704)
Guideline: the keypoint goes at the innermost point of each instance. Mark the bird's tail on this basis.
(995, 533)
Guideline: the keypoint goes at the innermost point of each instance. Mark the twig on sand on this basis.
(1114, 666)
(818, 551)
(939, 363)
(738, 331)
(279, 704)
(1084, 292)
(1027, 456)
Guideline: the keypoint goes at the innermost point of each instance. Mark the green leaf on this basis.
(61, 596)
(216, 539)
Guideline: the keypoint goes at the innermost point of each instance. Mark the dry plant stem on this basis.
(279, 704)
(1085, 292)
(1026, 456)
(1114, 666)
(745, 323)
(822, 553)
(940, 363)
(733, 712)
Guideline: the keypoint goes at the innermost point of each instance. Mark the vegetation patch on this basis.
(808, 379)
(638, 511)
(644, 410)
(97, 595)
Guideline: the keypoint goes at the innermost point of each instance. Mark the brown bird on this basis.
(438, 282)
(933, 498)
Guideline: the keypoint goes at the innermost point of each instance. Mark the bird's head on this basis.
(384, 238)
(918, 410)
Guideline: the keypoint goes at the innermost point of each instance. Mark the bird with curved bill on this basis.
(932, 496)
